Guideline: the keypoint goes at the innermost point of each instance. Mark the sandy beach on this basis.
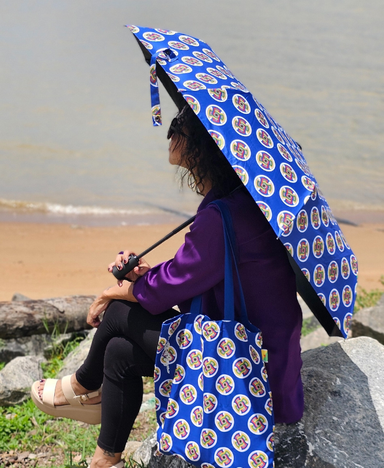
(52, 260)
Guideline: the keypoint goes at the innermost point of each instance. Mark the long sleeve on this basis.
(197, 266)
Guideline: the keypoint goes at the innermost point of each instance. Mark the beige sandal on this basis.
(90, 414)
(120, 464)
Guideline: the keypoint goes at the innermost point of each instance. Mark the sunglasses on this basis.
(174, 129)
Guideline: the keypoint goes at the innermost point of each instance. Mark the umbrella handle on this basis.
(133, 261)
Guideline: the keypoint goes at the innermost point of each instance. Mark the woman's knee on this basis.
(125, 359)
(116, 359)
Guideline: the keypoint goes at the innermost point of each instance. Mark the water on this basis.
(75, 128)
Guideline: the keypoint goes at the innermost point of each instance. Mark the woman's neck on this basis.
(205, 187)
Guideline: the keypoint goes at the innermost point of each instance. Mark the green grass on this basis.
(55, 361)
(366, 298)
(58, 351)
(310, 324)
(25, 428)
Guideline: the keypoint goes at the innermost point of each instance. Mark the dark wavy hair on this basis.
(201, 155)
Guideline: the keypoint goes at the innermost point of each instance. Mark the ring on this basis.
(121, 253)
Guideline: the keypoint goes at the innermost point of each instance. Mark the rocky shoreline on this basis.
(343, 379)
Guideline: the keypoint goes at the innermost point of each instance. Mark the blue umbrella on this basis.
(268, 161)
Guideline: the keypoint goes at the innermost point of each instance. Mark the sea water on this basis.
(76, 139)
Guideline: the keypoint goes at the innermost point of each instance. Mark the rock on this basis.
(35, 317)
(369, 358)
(16, 379)
(370, 322)
(343, 422)
(74, 359)
(342, 425)
(130, 449)
(24, 346)
(35, 345)
(317, 338)
(148, 404)
(144, 454)
(20, 297)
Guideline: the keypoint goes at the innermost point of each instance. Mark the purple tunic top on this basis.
(268, 283)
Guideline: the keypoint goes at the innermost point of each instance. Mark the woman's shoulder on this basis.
(247, 218)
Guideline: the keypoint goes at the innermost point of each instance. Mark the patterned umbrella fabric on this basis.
(268, 161)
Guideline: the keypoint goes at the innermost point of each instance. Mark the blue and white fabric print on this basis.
(214, 405)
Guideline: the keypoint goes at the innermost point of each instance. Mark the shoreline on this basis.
(42, 260)
(155, 217)
(19, 211)
(144, 218)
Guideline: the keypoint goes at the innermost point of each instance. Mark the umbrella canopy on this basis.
(268, 161)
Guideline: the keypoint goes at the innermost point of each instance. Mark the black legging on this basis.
(122, 351)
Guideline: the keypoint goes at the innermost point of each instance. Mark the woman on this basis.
(124, 346)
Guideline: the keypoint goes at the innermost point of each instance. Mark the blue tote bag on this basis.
(213, 400)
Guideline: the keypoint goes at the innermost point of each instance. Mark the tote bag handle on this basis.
(230, 259)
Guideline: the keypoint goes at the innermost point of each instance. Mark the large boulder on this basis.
(17, 377)
(343, 422)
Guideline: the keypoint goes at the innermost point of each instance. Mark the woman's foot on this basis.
(59, 398)
(104, 459)
(66, 398)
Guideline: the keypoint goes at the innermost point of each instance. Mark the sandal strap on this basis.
(48, 396)
(70, 395)
(119, 465)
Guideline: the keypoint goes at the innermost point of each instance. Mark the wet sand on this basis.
(52, 260)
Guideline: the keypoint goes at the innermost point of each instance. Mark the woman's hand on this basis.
(122, 259)
(122, 290)
(97, 307)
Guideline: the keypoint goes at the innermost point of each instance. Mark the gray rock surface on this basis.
(35, 317)
(24, 346)
(369, 358)
(74, 360)
(318, 337)
(35, 345)
(20, 297)
(17, 377)
(342, 426)
(370, 322)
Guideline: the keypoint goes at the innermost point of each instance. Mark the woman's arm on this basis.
(122, 290)
(197, 266)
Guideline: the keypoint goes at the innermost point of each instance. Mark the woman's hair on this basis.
(201, 155)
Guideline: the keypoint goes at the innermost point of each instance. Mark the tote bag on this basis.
(213, 400)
